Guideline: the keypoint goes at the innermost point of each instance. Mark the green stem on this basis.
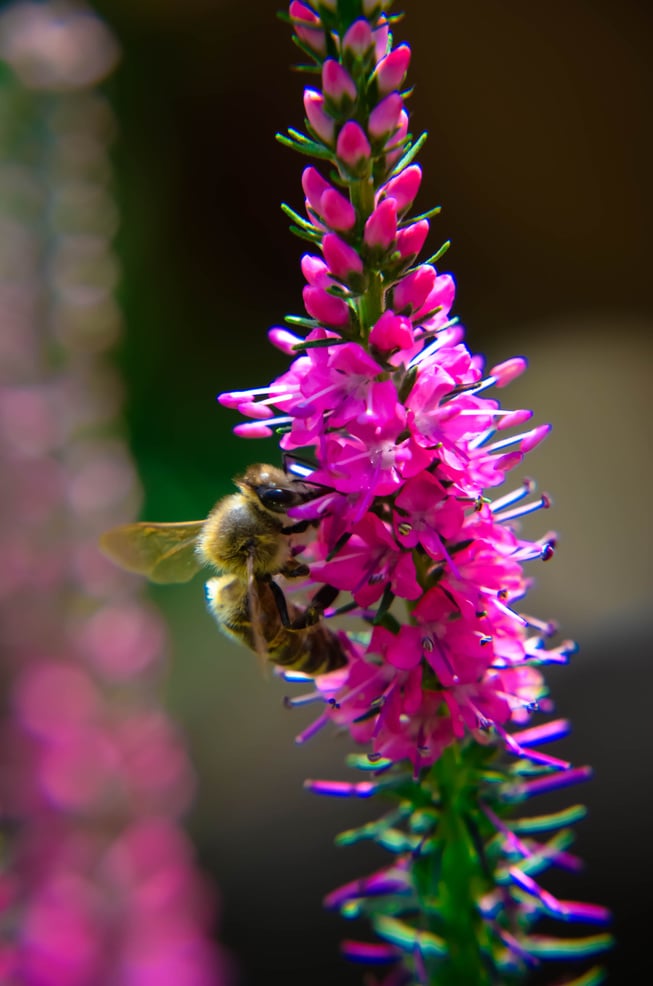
(460, 875)
(370, 304)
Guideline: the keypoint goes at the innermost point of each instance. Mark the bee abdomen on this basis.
(314, 651)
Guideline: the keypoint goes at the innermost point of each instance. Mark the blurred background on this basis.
(540, 154)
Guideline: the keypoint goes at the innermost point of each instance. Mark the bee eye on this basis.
(276, 497)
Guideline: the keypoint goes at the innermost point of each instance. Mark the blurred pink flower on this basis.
(100, 886)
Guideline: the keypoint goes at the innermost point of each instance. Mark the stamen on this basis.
(544, 502)
(314, 728)
(528, 486)
(447, 336)
(545, 733)
(234, 398)
(297, 701)
(548, 629)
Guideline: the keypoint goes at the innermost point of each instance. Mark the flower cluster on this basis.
(394, 408)
(406, 449)
(99, 885)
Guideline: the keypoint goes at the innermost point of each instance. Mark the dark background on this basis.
(540, 153)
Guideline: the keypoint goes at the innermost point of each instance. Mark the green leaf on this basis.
(544, 823)
(410, 154)
(439, 254)
(544, 947)
(435, 211)
(408, 938)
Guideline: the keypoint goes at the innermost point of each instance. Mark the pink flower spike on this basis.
(337, 84)
(319, 120)
(404, 188)
(337, 212)
(325, 308)
(284, 340)
(302, 16)
(342, 259)
(384, 118)
(353, 148)
(391, 70)
(392, 332)
(411, 239)
(506, 372)
(412, 290)
(358, 40)
(381, 227)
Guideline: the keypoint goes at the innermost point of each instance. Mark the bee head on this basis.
(273, 488)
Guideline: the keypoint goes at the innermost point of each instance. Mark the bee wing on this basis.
(163, 552)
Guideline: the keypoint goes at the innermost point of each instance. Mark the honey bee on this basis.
(247, 537)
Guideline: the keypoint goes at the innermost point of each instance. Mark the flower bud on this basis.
(412, 290)
(337, 211)
(353, 148)
(410, 239)
(358, 40)
(381, 227)
(315, 270)
(342, 259)
(314, 186)
(337, 85)
(404, 187)
(320, 122)
(395, 143)
(392, 332)
(326, 202)
(384, 118)
(391, 70)
(325, 307)
(301, 17)
(381, 39)
(441, 295)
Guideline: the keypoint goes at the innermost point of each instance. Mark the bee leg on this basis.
(311, 615)
(298, 528)
(280, 600)
(294, 569)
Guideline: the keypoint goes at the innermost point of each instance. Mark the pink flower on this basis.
(407, 534)
(370, 561)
